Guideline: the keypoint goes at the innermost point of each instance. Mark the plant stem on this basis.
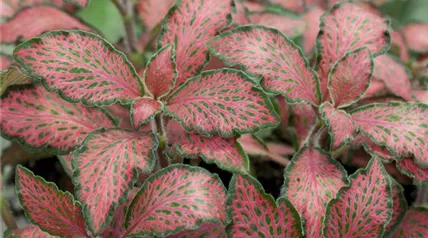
(6, 215)
(159, 130)
(125, 10)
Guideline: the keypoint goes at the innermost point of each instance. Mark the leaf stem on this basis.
(125, 10)
(6, 214)
(159, 130)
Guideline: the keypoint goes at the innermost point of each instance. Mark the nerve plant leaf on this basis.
(345, 28)
(174, 199)
(226, 153)
(5, 62)
(223, 101)
(30, 231)
(255, 213)
(350, 77)
(188, 25)
(312, 180)
(52, 210)
(267, 53)
(41, 120)
(33, 21)
(144, 110)
(80, 3)
(364, 208)
(372, 148)
(106, 168)
(294, 24)
(399, 208)
(312, 19)
(340, 125)
(401, 127)
(416, 36)
(408, 167)
(81, 66)
(240, 13)
(303, 119)
(205, 230)
(152, 12)
(414, 224)
(13, 76)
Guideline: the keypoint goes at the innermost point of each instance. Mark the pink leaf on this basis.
(32, 22)
(399, 207)
(160, 74)
(414, 224)
(255, 213)
(397, 41)
(266, 53)
(421, 95)
(223, 101)
(364, 208)
(121, 113)
(401, 127)
(5, 62)
(65, 161)
(52, 210)
(205, 230)
(376, 88)
(80, 3)
(345, 28)
(416, 36)
(350, 77)
(372, 148)
(8, 8)
(144, 110)
(188, 25)
(81, 66)
(340, 124)
(312, 180)
(394, 75)
(226, 153)
(312, 19)
(106, 168)
(303, 118)
(252, 145)
(176, 198)
(294, 27)
(408, 167)
(239, 14)
(41, 120)
(30, 231)
(293, 5)
(152, 12)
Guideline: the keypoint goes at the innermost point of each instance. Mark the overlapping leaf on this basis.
(106, 168)
(5, 62)
(205, 230)
(176, 198)
(399, 208)
(416, 36)
(11, 7)
(239, 14)
(255, 213)
(303, 119)
(401, 127)
(394, 75)
(38, 119)
(30, 231)
(160, 73)
(341, 127)
(152, 12)
(345, 28)
(398, 44)
(80, 3)
(265, 52)
(81, 66)
(312, 180)
(364, 208)
(223, 101)
(350, 77)
(144, 110)
(408, 167)
(226, 153)
(294, 24)
(414, 224)
(312, 19)
(32, 22)
(188, 25)
(8, 8)
(376, 88)
(13, 76)
(372, 148)
(52, 210)
(65, 161)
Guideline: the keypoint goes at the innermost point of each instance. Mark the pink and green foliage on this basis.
(152, 12)
(106, 168)
(345, 28)
(5, 62)
(10, 7)
(176, 198)
(31, 22)
(268, 54)
(144, 110)
(240, 13)
(226, 153)
(52, 210)
(401, 127)
(188, 25)
(255, 213)
(415, 224)
(225, 101)
(340, 124)
(350, 77)
(312, 180)
(205, 230)
(81, 66)
(303, 119)
(294, 27)
(372, 148)
(312, 19)
(31, 231)
(416, 36)
(399, 207)
(364, 208)
(80, 3)
(408, 167)
(41, 120)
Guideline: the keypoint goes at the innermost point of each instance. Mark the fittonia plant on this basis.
(128, 176)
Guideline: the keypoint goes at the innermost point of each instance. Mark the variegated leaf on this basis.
(399, 208)
(206, 230)
(144, 110)
(32, 22)
(106, 168)
(416, 36)
(152, 12)
(293, 5)
(372, 148)
(174, 199)
(226, 153)
(52, 210)
(408, 167)
(312, 180)
(414, 224)
(345, 28)
(399, 45)
(188, 25)
(160, 73)
(223, 101)
(255, 213)
(303, 119)
(376, 88)
(80, 3)
(364, 208)
(8, 8)
(268, 54)
(289, 24)
(350, 77)
(421, 95)
(401, 127)
(312, 19)
(13, 76)
(5, 61)
(81, 66)
(30, 231)
(240, 13)
(65, 161)
(340, 125)
(40, 120)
